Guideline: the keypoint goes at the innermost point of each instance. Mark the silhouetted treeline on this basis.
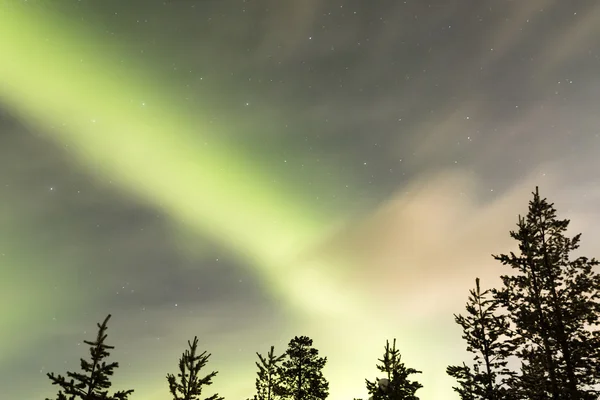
(543, 321)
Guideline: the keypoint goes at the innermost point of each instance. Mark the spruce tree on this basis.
(467, 388)
(399, 386)
(553, 305)
(188, 385)
(267, 381)
(94, 382)
(485, 331)
(301, 373)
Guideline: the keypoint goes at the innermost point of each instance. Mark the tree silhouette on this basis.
(94, 382)
(301, 373)
(553, 305)
(398, 387)
(484, 330)
(188, 385)
(468, 388)
(267, 381)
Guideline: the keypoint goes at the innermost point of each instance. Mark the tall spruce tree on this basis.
(301, 372)
(553, 305)
(485, 331)
(267, 381)
(188, 384)
(94, 382)
(399, 386)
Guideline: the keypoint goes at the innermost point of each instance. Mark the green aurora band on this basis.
(128, 127)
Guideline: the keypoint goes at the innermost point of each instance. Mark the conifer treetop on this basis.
(268, 375)
(301, 372)
(93, 383)
(485, 332)
(188, 384)
(553, 304)
(400, 387)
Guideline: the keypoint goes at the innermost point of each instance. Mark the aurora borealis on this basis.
(253, 170)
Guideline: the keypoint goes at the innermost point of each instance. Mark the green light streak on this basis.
(127, 127)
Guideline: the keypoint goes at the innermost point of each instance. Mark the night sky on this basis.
(248, 171)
